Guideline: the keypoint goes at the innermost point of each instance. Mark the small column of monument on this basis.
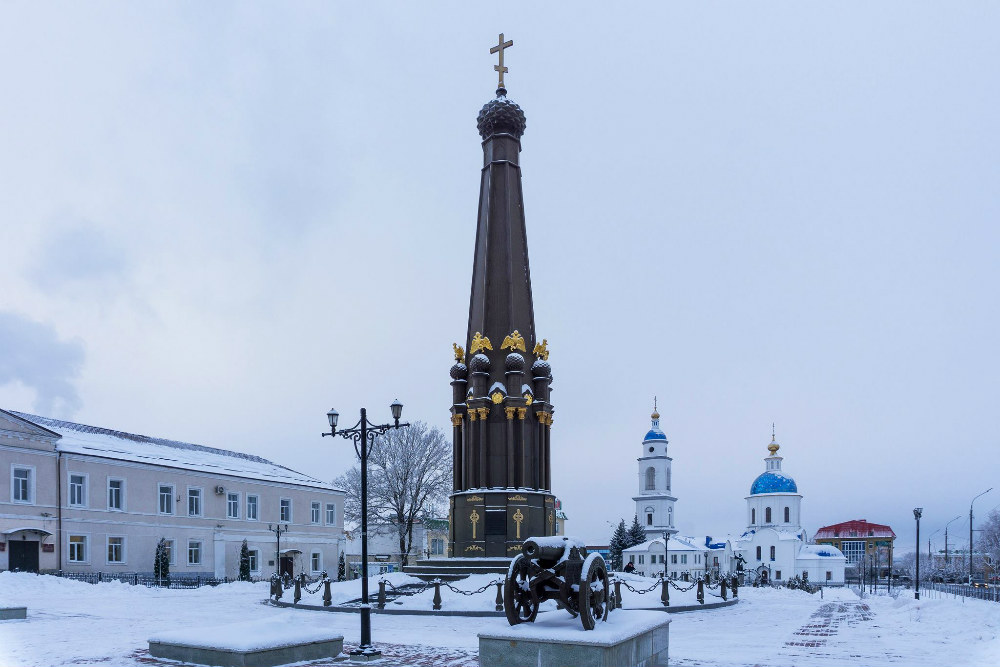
(501, 412)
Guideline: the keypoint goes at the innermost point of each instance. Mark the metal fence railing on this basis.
(989, 593)
(148, 580)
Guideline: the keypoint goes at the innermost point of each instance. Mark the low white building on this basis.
(774, 545)
(81, 498)
(684, 558)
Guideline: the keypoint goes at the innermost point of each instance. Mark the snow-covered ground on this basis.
(81, 624)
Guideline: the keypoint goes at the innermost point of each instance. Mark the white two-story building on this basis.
(80, 498)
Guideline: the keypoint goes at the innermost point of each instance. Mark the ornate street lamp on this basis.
(278, 532)
(916, 515)
(970, 531)
(946, 561)
(363, 435)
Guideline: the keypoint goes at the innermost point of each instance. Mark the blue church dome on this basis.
(655, 435)
(773, 482)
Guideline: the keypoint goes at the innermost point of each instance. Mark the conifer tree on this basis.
(636, 535)
(161, 563)
(619, 542)
(341, 568)
(244, 562)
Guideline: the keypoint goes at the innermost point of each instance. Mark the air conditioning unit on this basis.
(219, 490)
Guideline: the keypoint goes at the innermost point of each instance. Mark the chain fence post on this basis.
(499, 600)
(618, 593)
(297, 595)
(722, 588)
(664, 591)
(381, 594)
(735, 585)
(701, 591)
(327, 597)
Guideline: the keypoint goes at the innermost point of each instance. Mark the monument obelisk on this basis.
(501, 413)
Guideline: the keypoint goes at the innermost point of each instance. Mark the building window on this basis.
(314, 512)
(684, 559)
(772, 553)
(194, 502)
(331, 514)
(22, 485)
(715, 561)
(767, 515)
(649, 519)
(673, 559)
(286, 510)
(252, 508)
(116, 550)
(854, 550)
(78, 548)
(168, 545)
(641, 559)
(631, 558)
(116, 494)
(254, 560)
(166, 499)
(753, 515)
(232, 506)
(758, 553)
(777, 575)
(194, 553)
(316, 561)
(437, 546)
(787, 515)
(77, 490)
(650, 478)
(829, 575)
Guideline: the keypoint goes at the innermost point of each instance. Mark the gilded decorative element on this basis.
(480, 342)
(528, 398)
(497, 397)
(510, 413)
(483, 412)
(521, 412)
(542, 349)
(474, 547)
(514, 547)
(459, 353)
(518, 518)
(473, 499)
(518, 497)
(515, 341)
(456, 420)
(552, 519)
(544, 417)
(474, 518)
(472, 414)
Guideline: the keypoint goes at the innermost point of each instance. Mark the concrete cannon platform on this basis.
(13, 613)
(251, 644)
(630, 638)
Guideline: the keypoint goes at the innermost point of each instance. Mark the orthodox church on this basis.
(654, 505)
(774, 546)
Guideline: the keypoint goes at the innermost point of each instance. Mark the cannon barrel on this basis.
(546, 551)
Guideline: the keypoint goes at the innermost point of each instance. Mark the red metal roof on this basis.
(855, 528)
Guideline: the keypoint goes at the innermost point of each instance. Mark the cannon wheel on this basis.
(520, 601)
(594, 594)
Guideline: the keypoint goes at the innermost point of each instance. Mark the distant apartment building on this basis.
(858, 539)
(81, 498)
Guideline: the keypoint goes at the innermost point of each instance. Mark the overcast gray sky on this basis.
(220, 219)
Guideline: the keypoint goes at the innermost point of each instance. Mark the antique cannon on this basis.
(560, 569)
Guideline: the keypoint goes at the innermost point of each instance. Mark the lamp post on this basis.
(970, 530)
(278, 532)
(363, 435)
(946, 561)
(666, 553)
(916, 515)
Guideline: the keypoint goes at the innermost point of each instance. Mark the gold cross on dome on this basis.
(501, 45)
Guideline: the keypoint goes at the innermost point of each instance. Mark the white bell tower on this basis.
(654, 505)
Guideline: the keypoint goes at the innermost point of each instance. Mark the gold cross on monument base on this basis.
(501, 45)
(474, 518)
(518, 518)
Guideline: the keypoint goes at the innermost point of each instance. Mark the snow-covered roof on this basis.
(106, 443)
(677, 543)
(855, 528)
(817, 551)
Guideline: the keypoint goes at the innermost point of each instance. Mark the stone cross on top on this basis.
(501, 45)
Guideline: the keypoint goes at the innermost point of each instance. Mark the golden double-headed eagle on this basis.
(515, 341)
(542, 349)
(480, 342)
(459, 353)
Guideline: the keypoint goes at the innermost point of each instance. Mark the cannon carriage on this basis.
(560, 569)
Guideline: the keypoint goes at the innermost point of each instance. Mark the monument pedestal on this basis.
(627, 639)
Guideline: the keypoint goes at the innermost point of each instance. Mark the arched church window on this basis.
(758, 553)
(767, 515)
(787, 515)
(772, 553)
(649, 519)
(650, 479)
(753, 515)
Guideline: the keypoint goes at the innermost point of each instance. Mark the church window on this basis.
(767, 515)
(668, 478)
(777, 575)
(649, 519)
(787, 515)
(772, 554)
(758, 553)
(650, 478)
(829, 575)
(753, 515)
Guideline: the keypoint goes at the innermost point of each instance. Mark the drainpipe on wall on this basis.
(59, 532)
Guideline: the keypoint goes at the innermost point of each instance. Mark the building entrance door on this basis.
(286, 566)
(23, 555)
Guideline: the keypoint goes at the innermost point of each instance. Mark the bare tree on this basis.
(989, 541)
(409, 477)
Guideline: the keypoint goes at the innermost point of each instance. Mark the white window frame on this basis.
(121, 494)
(281, 509)
(31, 483)
(201, 500)
(229, 504)
(84, 487)
(314, 558)
(256, 507)
(315, 512)
(86, 548)
(437, 546)
(173, 502)
(107, 549)
(254, 560)
(171, 545)
(331, 514)
(201, 553)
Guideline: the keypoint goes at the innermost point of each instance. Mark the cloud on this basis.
(32, 354)
(78, 254)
